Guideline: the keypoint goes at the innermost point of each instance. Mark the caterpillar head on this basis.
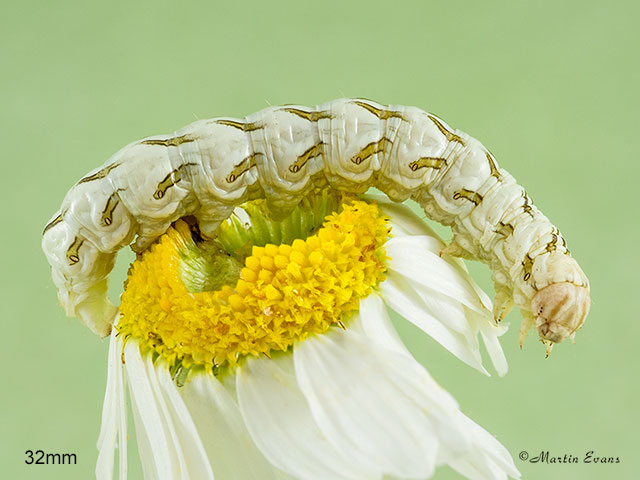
(560, 308)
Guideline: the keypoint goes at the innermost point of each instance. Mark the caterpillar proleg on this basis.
(281, 153)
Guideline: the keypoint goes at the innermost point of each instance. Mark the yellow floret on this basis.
(285, 292)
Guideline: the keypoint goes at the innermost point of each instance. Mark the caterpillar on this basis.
(280, 154)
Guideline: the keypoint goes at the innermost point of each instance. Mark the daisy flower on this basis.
(269, 351)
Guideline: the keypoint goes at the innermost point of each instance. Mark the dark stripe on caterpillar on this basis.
(170, 142)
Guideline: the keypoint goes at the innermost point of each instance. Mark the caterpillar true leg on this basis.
(209, 167)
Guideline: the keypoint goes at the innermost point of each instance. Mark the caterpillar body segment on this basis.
(79, 271)
(289, 153)
(208, 168)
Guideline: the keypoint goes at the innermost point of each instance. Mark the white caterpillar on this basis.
(281, 153)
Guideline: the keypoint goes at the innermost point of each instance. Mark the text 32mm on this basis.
(39, 457)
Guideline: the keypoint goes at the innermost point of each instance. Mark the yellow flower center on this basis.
(283, 293)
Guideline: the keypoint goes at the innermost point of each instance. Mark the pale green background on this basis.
(550, 87)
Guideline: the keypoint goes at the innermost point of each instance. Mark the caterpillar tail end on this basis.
(92, 307)
(95, 317)
(559, 310)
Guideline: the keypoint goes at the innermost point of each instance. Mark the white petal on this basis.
(145, 451)
(110, 414)
(450, 312)
(156, 441)
(167, 419)
(464, 320)
(405, 302)
(411, 378)
(488, 459)
(411, 257)
(196, 459)
(487, 303)
(490, 333)
(122, 412)
(376, 325)
(470, 448)
(407, 252)
(359, 409)
(224, 435)
(280, 422)
(406, 219)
